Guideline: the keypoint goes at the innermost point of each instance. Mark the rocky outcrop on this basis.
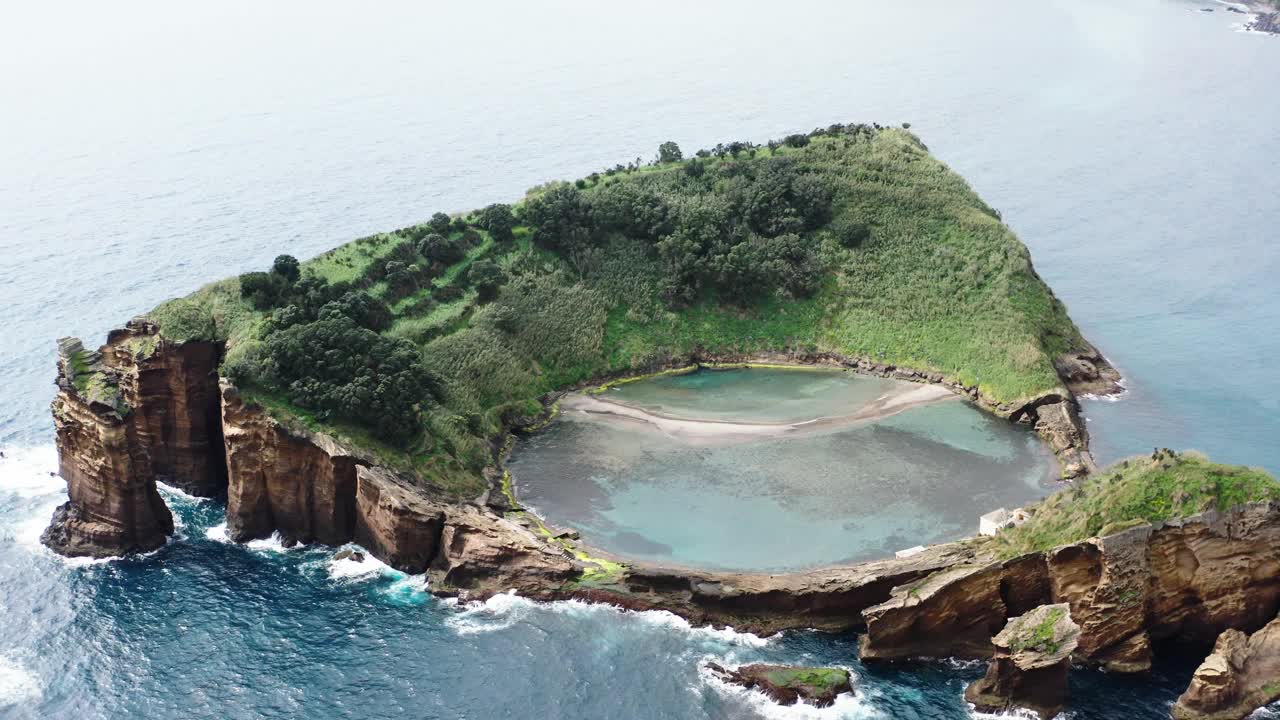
(481, 554)
(396, 522)
(1030, 665)
(172, 392)
(114, 507)
(284, 479)
(1088, 373)
(1241, 675)
(1058, 422)
(136, 411)
(1185, 580)
(788, 685)
(953, 612)
(1104, 581)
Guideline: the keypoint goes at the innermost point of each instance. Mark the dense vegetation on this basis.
(420, 344)
(1149, 489)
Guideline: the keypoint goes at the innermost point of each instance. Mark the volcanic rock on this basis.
(1030, 665)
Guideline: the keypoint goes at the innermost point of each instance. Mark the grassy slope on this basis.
(1134, 491)
(941, 285)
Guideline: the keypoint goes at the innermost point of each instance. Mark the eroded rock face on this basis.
(286, 480)
(484, 554)
(138, 410)
(952, 613)
(395, 522)
(1105, 581)
(114, 507)
(788, 685)
(1241, 675)
(172, 390)
(1186, 580)
(1030, 666)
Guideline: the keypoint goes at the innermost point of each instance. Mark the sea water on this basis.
(848, 492)
(149, 148)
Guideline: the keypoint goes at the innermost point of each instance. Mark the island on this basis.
(371, 394)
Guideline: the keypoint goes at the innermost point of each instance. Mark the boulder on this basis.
(1241, 675)
(1030, 666)
(789, 685)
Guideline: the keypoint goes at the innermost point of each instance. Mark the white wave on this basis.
(503, 611)
(31, 472)
(273, 544)
(17, 684)
(179, 493)
(1016, 713)
(497, 613)
(847, 706)
(349, 568)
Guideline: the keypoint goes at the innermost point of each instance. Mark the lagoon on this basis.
(775, 469)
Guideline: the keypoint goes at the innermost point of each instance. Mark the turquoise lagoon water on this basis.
(849, 493)
(151, 147)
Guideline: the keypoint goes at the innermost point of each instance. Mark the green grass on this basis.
(941, 285)
(813, 677)
(1040, 637)
(348, 262)
(1132, 492)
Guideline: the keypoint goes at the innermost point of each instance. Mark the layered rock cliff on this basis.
(285, 479)
(1241, 675)
(1030, 664)
(1186, 579)
(134, 412)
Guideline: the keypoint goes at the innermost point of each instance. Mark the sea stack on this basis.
(1241, 675)
(1029, 669)
(114, 507)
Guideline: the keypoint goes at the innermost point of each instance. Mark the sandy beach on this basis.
(699, 431)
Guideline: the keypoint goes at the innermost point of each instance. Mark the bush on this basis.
(498, 220)
(486, 277)
(286, 266)
(439, 223)
(440, 249)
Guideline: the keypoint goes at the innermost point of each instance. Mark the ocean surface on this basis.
(819, 494)
(148, 148)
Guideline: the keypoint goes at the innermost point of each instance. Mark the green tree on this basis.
(486, 277)
(669, 152)
(439, 223)
(498, 220)
(286, 266)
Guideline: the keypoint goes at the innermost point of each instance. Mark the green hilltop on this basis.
(421, 345)
(1163, 486)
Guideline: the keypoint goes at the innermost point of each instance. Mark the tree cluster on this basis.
(740, 230)
(322, 349)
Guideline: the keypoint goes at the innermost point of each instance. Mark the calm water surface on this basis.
(151, 147)
(855, 492)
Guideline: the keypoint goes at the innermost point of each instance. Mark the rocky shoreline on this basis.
(1186, 581)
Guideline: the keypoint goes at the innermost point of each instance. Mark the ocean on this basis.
(152, 147)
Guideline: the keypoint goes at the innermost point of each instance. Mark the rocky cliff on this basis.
(1032, 657)
(1241, 675)
(134, 412)
(285, 479)
(1187, 579)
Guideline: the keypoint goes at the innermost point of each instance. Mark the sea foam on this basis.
(17, 684)
(505, 610)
